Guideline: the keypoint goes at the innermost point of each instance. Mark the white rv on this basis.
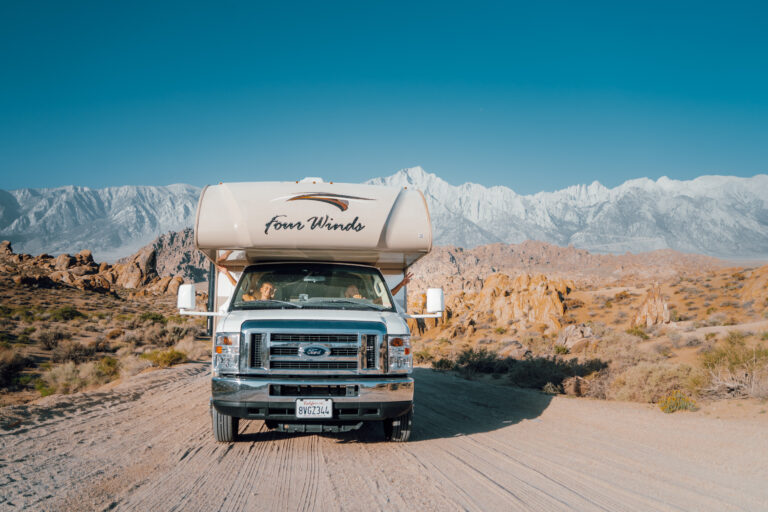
(310, 338)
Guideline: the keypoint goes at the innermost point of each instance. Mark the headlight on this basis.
(226, 352)
(399, 354)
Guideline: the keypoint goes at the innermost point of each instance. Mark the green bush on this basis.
(65, 314)
(561, 349)
(155, 318)
(638, 331)
(165, 358)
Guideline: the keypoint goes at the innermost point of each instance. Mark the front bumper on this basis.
(274, 399)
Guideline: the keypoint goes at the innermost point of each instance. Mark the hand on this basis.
(407, 278)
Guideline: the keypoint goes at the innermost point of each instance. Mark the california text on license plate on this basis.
(314, 408)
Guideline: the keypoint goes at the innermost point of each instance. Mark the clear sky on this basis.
(531, 95)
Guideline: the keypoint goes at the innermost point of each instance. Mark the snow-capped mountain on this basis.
(721, 216)
(112, 222)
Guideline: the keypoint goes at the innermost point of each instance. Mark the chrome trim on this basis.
(245, 389)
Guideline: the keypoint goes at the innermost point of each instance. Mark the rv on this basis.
(307, 335)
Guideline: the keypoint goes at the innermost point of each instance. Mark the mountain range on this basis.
(723, 216)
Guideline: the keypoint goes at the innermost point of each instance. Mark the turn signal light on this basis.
(396, 342)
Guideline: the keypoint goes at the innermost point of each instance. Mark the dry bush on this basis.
(649, 381)
(70, 377)
(735, 369)
(195, 350)
(12, 363)
(131, 365)
(50, 338)
(72, 351)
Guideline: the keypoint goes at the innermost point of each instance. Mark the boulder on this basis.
(5, 247)
(64, 261)
(139, 271)
(575, 337)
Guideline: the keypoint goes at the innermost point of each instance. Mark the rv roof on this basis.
(387, 227)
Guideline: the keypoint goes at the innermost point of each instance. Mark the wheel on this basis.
(398, 430)
(224, 427)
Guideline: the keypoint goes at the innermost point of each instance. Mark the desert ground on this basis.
(544, 386)
(146, 444)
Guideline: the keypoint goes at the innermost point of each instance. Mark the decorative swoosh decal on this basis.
(338, 200)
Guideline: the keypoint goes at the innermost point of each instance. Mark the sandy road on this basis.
(147, 445)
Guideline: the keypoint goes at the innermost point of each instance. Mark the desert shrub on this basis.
(764, 337)
(561, 349)
(552, 389)
(50, 338)
(155, 318)
(195, 350)
(443, 364)
(63, 378)
(638, 331)
(72, 352)
(649, 381)
(500, 330)
(173, 334)
(423, 356)
(131, 365)
(107, 367)
(114, 333)
(65, 314)
(12, 363)
(676, 401)
(735, 369)
(165, 358)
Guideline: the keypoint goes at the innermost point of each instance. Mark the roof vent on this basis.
(312, 180)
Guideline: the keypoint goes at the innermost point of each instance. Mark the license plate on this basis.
(314, 408)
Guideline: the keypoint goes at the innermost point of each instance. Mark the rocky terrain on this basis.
(70, 323)
(137, 273)
(176, 255)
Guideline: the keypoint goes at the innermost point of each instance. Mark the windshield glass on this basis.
(312, 285)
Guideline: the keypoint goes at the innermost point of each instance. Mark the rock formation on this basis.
(80, 271)
(654, 309)
(503, 302)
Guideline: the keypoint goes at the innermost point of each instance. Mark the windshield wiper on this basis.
(353, 302)
(257, 303)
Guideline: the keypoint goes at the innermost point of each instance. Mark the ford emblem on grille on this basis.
(315, 351)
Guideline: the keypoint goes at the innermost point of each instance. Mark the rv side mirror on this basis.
(435, 300)
(186, 298)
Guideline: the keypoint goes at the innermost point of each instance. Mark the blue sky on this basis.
(534, 96)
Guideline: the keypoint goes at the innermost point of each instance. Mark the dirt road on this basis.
(147, 445)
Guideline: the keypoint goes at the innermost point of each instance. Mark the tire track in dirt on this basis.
(147, 445)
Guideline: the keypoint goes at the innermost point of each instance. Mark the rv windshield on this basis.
(313, 286)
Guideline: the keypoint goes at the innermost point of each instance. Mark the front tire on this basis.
(398, 430)
(224, 427)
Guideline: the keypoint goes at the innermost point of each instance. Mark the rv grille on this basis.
(256, 350)
(315, 338)
(344, 351)
(284, 351)
(314, 365)
(370, 351)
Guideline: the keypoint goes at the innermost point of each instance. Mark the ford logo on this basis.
(315, 351)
